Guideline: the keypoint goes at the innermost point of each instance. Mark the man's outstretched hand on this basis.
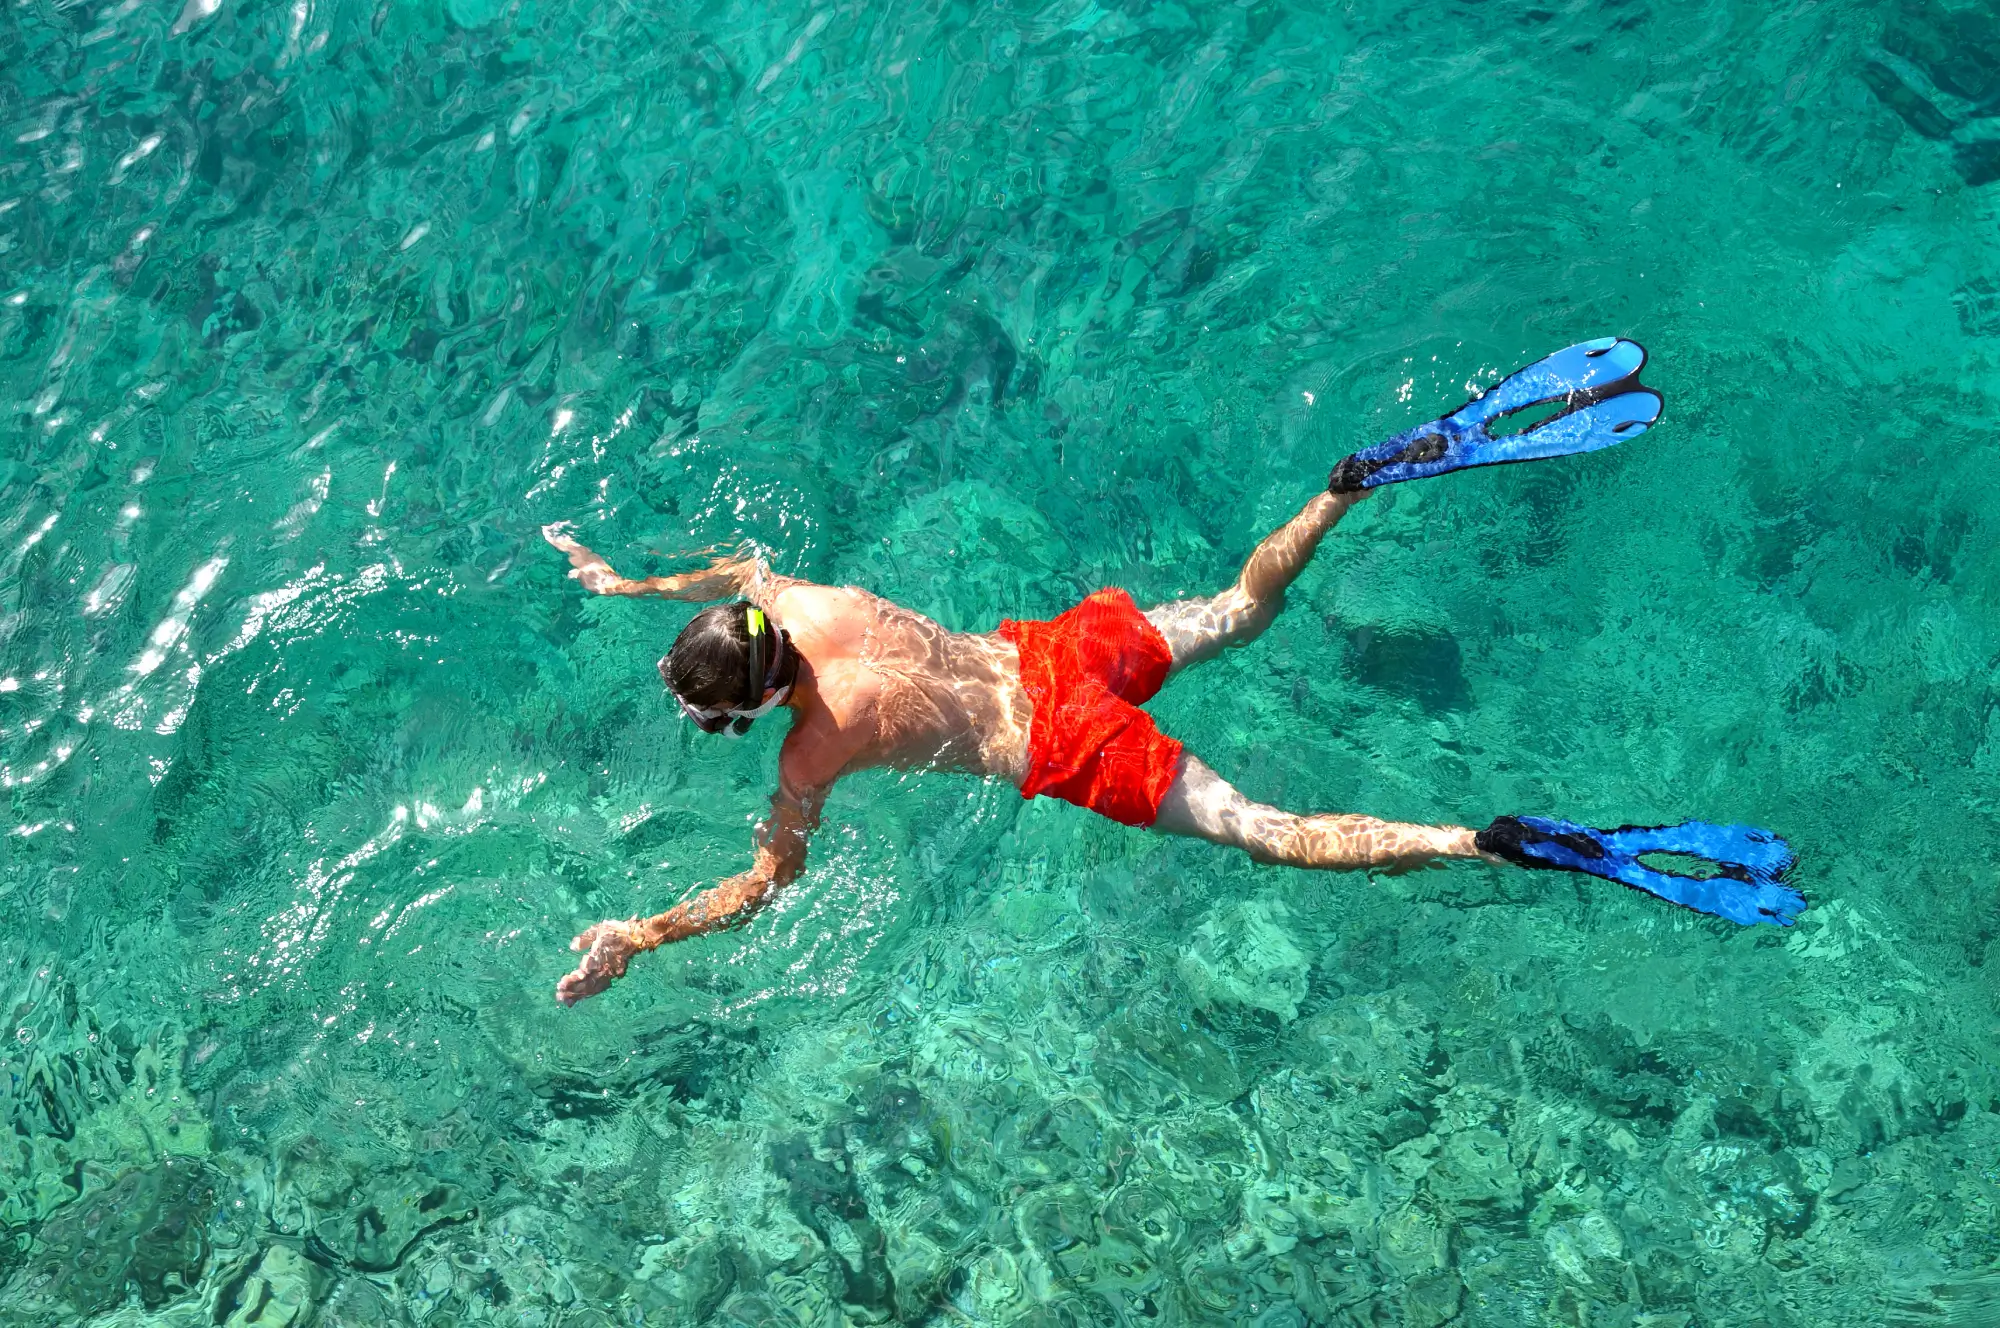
(585, 566)
(609, 946)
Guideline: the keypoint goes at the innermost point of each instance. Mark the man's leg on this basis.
(1203, 805)
(1198, 629)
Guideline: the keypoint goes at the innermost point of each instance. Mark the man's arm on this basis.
(781, 856)
(725, 578)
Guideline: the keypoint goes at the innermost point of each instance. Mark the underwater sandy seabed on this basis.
(313, 761)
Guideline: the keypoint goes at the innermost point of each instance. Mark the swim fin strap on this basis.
(1751, 863)
(1596, 383)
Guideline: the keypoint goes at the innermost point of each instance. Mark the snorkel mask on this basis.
(770, 652)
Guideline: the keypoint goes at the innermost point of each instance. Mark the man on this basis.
(1053, 707)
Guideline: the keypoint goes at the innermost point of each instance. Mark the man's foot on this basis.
(610, 946)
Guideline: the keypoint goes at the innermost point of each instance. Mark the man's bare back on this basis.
(880, 685)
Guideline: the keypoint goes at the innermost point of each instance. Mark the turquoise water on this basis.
(311, 314)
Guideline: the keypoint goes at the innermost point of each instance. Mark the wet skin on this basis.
(879, 685)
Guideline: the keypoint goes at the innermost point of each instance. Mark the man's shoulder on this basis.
(826, 739)
(830, 608)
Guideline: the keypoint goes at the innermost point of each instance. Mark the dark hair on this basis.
(709, 664)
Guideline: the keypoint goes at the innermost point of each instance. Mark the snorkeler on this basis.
(1053, 707)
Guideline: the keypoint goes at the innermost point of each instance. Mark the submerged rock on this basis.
(146, 1232)
(1588, 1250)
(1209, 1158)
(1413, 1241)
(1473, 1171)
(684, 1279)
(1057, 1223)
(993, 1284)
(373, 1220)
(1377, 1058)
(918, 1268)
(1432, 1299)
(359, 1303)
(1758, 1187)
(278, 1293)
(1170, 1044)
(1242, 955)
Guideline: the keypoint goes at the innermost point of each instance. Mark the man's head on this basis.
(730, 663)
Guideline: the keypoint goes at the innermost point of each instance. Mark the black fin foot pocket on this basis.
(1508, 837)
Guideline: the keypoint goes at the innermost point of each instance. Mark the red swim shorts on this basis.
(1087, 673)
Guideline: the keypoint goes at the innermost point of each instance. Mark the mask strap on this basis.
(753, 619)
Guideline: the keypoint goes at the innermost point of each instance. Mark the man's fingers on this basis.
(609, 949)
(575, 986)
(579, 556)
(587, 979)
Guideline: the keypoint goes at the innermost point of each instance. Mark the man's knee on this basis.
(1248, 615)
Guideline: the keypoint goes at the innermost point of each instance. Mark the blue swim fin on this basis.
(1596, 382)
(1751, 863)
